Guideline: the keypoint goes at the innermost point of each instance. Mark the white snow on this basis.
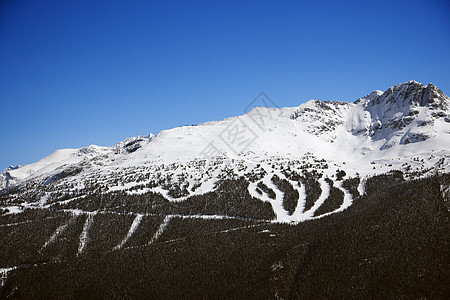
(13, 209)
(376, 134)
(4, 274)
(300, 208)
(137, 220)
(361, 186)
(347, 201)
(325, 187)
(55, 235)
(160, 230)
(84, 236)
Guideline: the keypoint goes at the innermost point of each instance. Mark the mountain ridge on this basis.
(269, 204)
(404, 128)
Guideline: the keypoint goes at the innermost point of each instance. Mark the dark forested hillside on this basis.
(392, 243)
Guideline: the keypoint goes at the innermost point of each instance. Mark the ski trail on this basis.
(347, 202)
(56, 234)
(348, 198)
(4, 275)
(325, 187)
(281, 213)
(44, 199)
(15, 224)
(58, 231)
(70, 200)
(199, 235)
(217, 217)
(78, 212)
(361, 186)
(300, 208)
(133, 228)
(215, 232)
(84, 236)
(277, 203)
(160, 230)
(26, 222)
(207, 185)
(237, 228)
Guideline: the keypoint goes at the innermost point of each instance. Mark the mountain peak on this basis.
(411, 82)
(370, 97)
(410, 93)
(406, 113)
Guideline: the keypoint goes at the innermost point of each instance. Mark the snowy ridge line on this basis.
(84, 236)
(137, 220)
(160, 230)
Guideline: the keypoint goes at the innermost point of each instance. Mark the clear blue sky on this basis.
(75, 73)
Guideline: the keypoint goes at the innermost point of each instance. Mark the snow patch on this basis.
(137, 220)
(160, 230)
(84, 236)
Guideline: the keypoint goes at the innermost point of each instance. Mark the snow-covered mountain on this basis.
(257, 205)
(405, 128)
(67, 157)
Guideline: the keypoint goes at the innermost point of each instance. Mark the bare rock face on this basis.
(412, 93)
(405, 113)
